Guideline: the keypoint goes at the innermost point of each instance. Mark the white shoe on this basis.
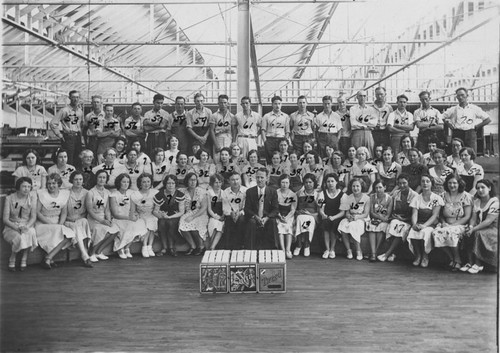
(93, 258)
(465, 268)
(349, 254)
(101, 256)
(307, 251)
(359, 255)
(475, 269)
(382, 258)
(144, 251)
(121, 254)
(127, 252)
(296, 252)
(391, 258)
(325, 254)
(150, 251)
(289, 255)
(331, 254)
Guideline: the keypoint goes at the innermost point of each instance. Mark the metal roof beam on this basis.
(159, 66)
(74, 53)
(234, 43)
(171, 2)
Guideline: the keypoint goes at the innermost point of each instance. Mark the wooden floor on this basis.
(331, 306)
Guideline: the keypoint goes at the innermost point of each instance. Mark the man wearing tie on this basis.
(261, 209)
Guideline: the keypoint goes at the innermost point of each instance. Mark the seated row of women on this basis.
(56, 218)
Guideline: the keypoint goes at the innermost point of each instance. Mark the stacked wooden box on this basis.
(243, 271)
(214, 271)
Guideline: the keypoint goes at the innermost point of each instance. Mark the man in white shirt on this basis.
(327, 125)
(399, 123)
(91, 123)
(465, 119)
(133, 126)
(301, 125)
(156, 124)
(221, 126)
(198, 123)
(246, 126)
(363, 120)
(233, 207)
(275, 126)
(177, 123)
(380, 132)
(429, 122)
(345, 119)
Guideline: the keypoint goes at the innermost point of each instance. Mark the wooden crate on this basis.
(243, 271)
(214, 271)
(272, 271)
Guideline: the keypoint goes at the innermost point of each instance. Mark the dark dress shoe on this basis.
(12, 269)
(172, 252)
(198, 252)
(87, 263)
(46, 265)
(22, 268)
(189, 252)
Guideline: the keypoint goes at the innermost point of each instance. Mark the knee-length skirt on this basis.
(51, 235)
(448, 236)
(99, 230)
(355, 228)
(20, 241)
(198, 224)
(425, 235)
(129, 231)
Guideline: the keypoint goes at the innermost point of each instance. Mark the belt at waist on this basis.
(328, 133)
(248, 136)
(71, 133)
(275, 137)
(156, 132)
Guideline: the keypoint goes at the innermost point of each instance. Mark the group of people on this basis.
(200, 176)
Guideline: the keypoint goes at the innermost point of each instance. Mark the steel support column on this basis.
(243, 72)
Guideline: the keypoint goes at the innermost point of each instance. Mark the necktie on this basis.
(261, 203)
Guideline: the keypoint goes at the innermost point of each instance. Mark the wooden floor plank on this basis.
(331, 306)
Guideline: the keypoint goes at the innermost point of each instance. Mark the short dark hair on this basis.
(283, 177)
(75, 173)
(198, 95)
(180, 97)
(335, 177)
(108, 105)
(225, 149)
(462, 89)
(460, 181)
(315, 156)
(23, 180)
(28, 151)
(189, 176)
(251, 152)
(119, 178)
(406, 136)
(158, 97)
(327, 98)
(263, 169)
(301, 97)
(136, 103)
(361, 181)
(142, 176)
(470, 151)
(120, 138)
(488, 184)
(312, 177)
(222, 96)
(401, 96)
(72, 92)
(245, 98)
(429, 177)
(56, 154)
(200, 151)
(403, 176)
(99, 172)
(215, 177)
(276, 98)
(424, 93)
(172, 177)
(380, 88)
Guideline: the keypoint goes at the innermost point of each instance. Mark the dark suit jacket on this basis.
(270, 202)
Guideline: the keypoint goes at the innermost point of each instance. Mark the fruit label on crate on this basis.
(243, 278)
(213, 279)
(271, 279)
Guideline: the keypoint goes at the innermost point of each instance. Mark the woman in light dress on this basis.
(380, 215)
(142, 207)
(130, 226)
(388, 169)
(215, 213)
(439, 172)
(357, 209)
(77, 216)
(194, 222)
(425, 213)
(481, 237)
(250, 169)
(287, 203)
(19, 217)
(101, 223)
(159, 168)
(454, 217)
(52, 235)
(134, 168)
(204, 169)
(62, 167)
(32, 169)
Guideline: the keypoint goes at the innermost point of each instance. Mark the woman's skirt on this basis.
(305, 224)
(99, 231)
(129, 231)
(448, 236)
(398, 229)
(355, 228)
(425, 235)
(51, 235)
(485, 243)
(214, 225)
(198, 224)
(20, 241)
(375, 228)
(285, 227)
(81, 228)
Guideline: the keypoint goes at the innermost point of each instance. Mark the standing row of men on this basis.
(361, 125)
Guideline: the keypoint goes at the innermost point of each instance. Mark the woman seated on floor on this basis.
(131, 227)
(481, 237)
(400, 223)
(425, 213)
(357, 209)
(19, 217)
(455, 215)
(52, 235)
(101, 223)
